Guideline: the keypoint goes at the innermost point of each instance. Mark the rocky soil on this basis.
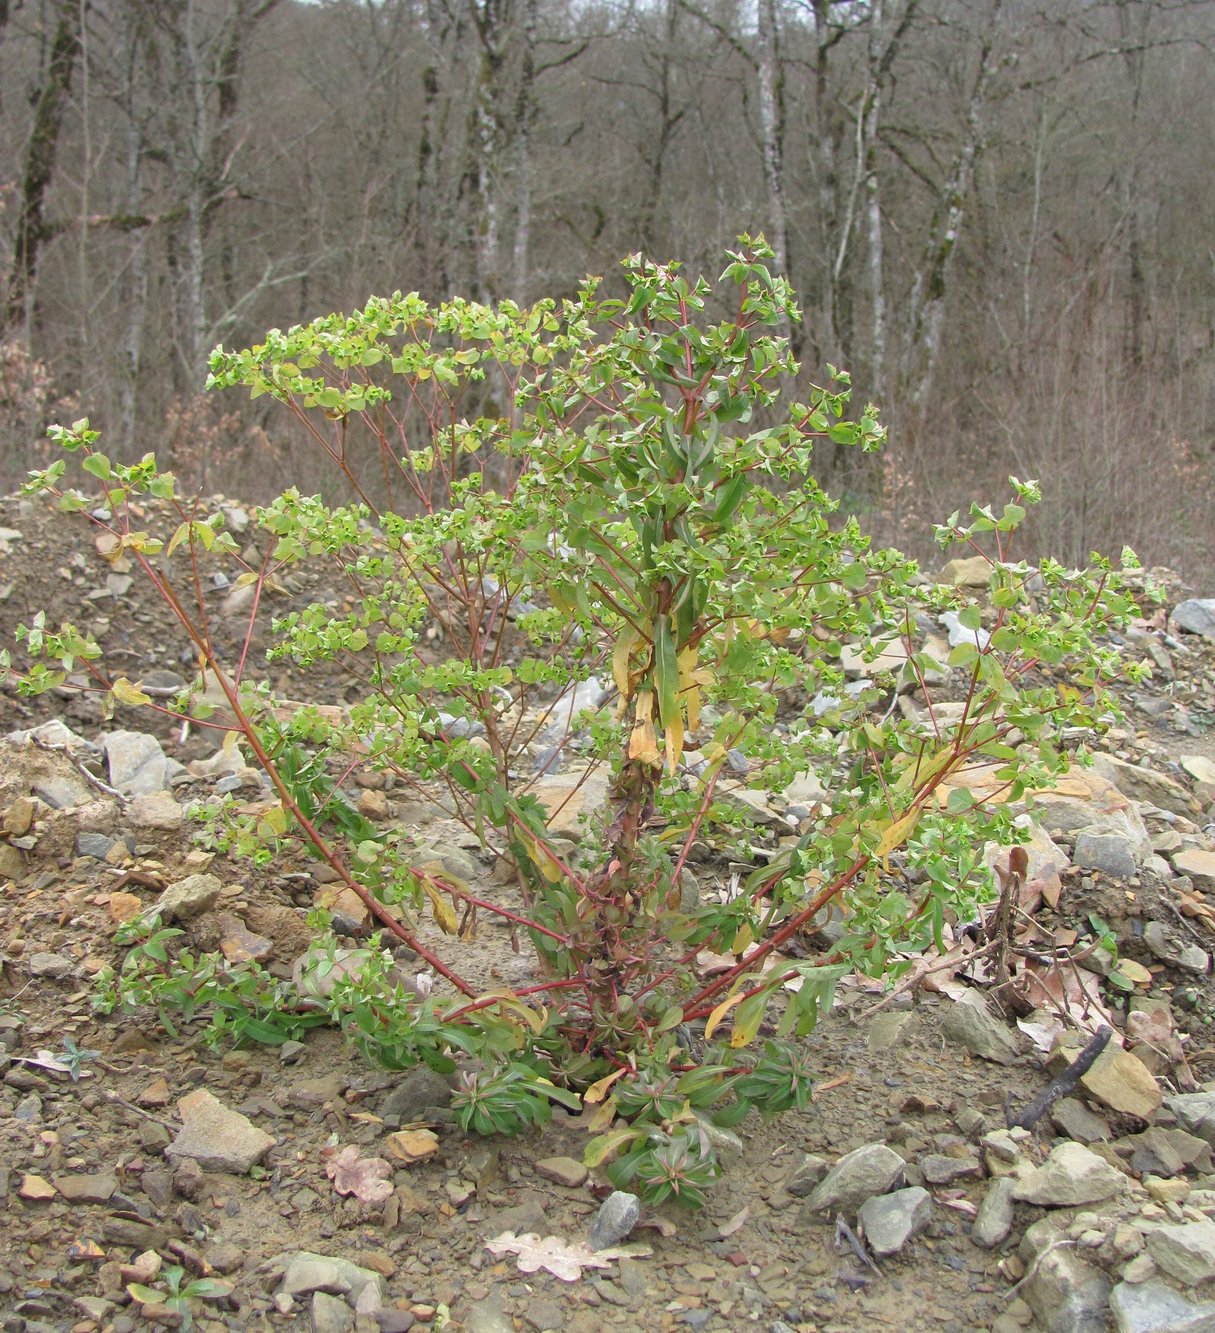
(146, 1178)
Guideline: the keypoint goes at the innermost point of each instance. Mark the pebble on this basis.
(1111, 853)
(1170, 947)
(52, 965)
(189, 897)
(562, 1171)
(137, 764)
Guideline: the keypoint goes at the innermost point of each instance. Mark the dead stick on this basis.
(1064, 1084)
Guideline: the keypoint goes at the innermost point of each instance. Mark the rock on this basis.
(889, 1221)
(95, 1187)
(306, 1273)
(1111, 853)
(1066, 1294)
(939, 1169)
(1196, 616)
(96, 845)
(1198, 864)
(1196, 1112)
(19, 817)
(155, 810)
(1185, 1252)
(1170, 947)
(331, 1314)
(1168, 1152)
(569, 800)
(216, 1137)
(487, 1316)
(806, 1175)
(61, 792)
(967, 572)
(188, 897)
(414, 1093)
(862, 1174)
(1121, 1081)
(1082, 799)
(886, 1031)
(1146, 785)
(994, 1220)
(1071, 1175)
(136, 762)
(562, 1171)
(972, 1025)
(1073, 1118)
(526, 1216)
(617, 1216)
(53, 965)
(1152, 1307)
(36, 1189)
(1199, 767)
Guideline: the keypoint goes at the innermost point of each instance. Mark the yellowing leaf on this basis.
(597, 1090)
(673, 742)
(895, 835)
(720, 1012)
(443, 912)
(127, 693)
(748, 1019)
(620, 658)
(643, 743)
(177, 538)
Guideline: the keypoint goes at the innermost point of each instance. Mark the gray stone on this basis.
(889, 1221)
(188, 897)
(562, 1171)
(306, 1273)
(53, 965)
(136, 762)
(526, 1216)
(1196, 616)
(61, 793)
(216, 1137)
(886, 1031)
(1071, 1175)
(155, 810)
(1185, 1252)
(860, 1175)
(1111, 853)
(96, 845)
(415, 1092)
(1196, 1112)
(1170, 947)
(617, 1216)
(487, 1316)
(973, 1026)
(331, 1314)
(1066, 1294)
(994, 1219)
(1146, 785)
(1152, 1307)
(1073, 1118)
(1168, 1152)
(803, 1178)
(941, 1169)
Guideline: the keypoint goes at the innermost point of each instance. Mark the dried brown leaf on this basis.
(364, 1177)
(559, 1257)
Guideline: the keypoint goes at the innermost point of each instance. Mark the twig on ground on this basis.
(1064, 1084)
(843, 1232)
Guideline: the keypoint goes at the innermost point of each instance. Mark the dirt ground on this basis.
(748, 1260)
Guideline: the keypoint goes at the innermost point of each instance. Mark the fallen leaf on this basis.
(557, 1256)
(364, 1177)
(412, 1145)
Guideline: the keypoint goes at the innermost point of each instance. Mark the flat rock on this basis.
(1185, 1251)
(1198, 863)
(306, 1273)
(562, 1171)
(155, 810)
(1146, 785)
(1153, 1307)
(1121, 1081)
(216, 1137)
(1196, 616)
(53, 965)
(1070, 1176)
(569, 801)
(973, 1026)
(994, 1220)
(1082, 799)
(940, 1169)
(1196, 1113)
(859, 1175)
(189, 897)
(330, 1314)
(1170, 946)
(889, 1221)
(137, 764)
(90, 1187)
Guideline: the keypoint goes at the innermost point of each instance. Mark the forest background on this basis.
(999, 214)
